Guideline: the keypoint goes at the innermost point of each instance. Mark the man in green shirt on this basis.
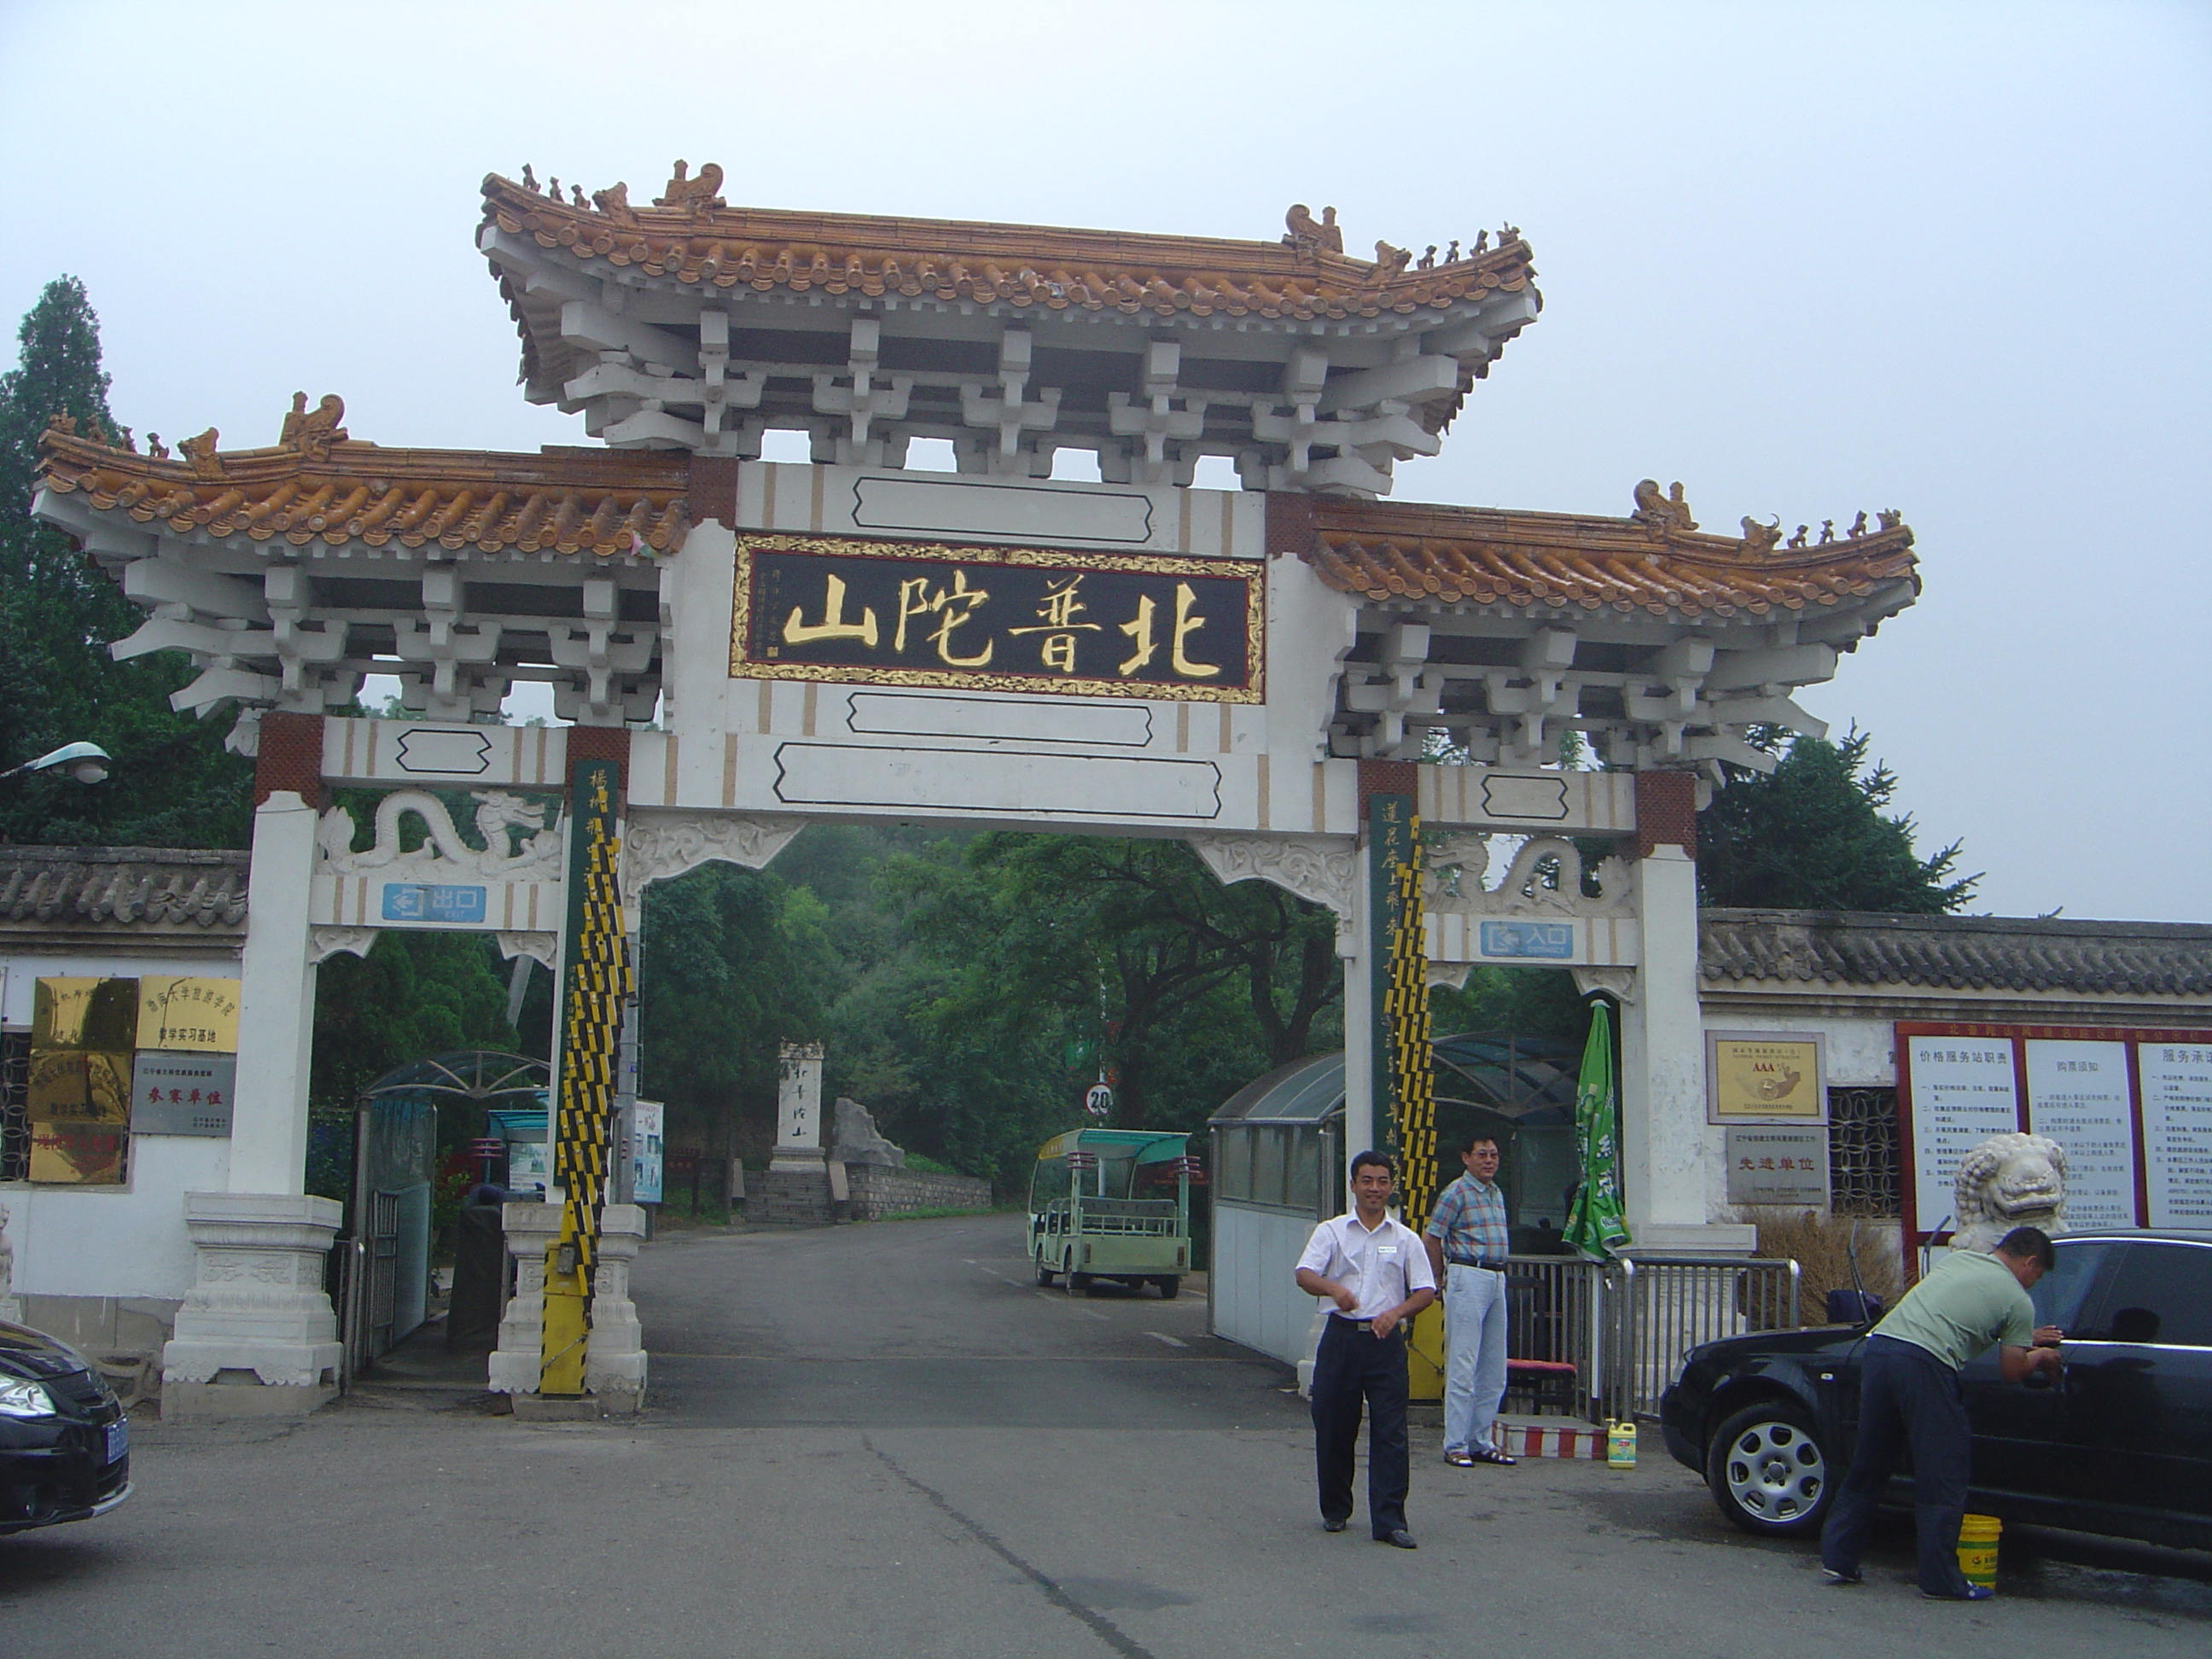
(1909, 1397)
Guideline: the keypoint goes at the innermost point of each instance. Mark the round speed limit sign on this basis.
(1099, 1100)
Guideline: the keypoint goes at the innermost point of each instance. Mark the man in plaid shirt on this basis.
(1468, 1245)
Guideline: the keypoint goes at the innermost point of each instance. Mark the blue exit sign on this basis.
(432, 901)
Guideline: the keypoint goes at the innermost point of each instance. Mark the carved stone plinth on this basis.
(615, 1358)
(256, 1335)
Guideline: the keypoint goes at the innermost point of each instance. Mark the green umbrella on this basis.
(1594, 1224)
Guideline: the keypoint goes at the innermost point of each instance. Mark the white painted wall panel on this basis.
(116, 1241)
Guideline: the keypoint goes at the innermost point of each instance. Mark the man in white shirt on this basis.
(1377, 1273)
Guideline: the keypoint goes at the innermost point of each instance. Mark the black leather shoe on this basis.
(1332, 1526)
(1400, 1540)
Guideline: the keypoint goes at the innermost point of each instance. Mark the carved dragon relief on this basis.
(1322, 869)
(659, 845)
(520, 844)
(1546, 878)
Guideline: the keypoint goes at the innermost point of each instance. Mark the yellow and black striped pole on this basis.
(1404, 1075)
(1412, 1060)
(595, 983)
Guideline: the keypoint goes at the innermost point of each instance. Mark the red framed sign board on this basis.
(2131, 1106)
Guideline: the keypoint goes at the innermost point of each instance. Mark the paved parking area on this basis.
(886, 1439)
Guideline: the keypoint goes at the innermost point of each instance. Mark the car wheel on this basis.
(1169, 1287)
(1769, 1472)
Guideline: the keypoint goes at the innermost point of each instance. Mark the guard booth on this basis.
(1279, 1167)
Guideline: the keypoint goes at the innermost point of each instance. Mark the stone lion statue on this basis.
(2009, 1181)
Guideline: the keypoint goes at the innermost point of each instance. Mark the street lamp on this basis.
(86, 763)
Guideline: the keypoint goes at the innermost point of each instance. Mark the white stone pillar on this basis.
(615, 1358)
(256, 1335)
(517, 1361)
(276, 1005)
(615, 1361)
(1666, 1144)
(799, 1109)
(1360, 991)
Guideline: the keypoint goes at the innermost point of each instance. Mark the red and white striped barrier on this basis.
(1548, 1439)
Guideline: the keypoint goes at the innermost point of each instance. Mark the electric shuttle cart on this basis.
(1111, 1204)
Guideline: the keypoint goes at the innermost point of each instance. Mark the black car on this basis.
(2122, 1445)
(64, 1442)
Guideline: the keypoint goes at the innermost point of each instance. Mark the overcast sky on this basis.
(1808, 260)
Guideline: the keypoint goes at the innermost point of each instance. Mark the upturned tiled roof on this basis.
(1654, 562)
(601, 502)
(123, 890)
(709, 244)
(1982, 953)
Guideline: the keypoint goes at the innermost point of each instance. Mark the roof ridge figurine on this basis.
(312, 431)
(1308, 234)
(693, 195)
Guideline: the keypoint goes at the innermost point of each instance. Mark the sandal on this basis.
(1489, 1454)
(1460, 1460)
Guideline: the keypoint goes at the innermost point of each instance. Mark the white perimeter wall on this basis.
(1861, 1054)
(1256, 1300)
(115, 1241)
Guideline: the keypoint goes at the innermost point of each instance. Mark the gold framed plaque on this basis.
(198, 1015)
(1766, 1077)
(994, 618)
(65, 1156)
(100, 1014)
(79, 1086)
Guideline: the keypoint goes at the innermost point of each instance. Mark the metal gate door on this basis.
(382, 1263)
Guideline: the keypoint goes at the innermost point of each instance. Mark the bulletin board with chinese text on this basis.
(2132, 1107)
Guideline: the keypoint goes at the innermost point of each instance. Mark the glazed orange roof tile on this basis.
(329, 489)
(1656, 562)
(699, 241)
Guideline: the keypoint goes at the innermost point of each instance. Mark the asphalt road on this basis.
(884, 1439)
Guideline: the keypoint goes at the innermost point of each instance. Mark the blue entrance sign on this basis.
(1549, 940)
(432, 901)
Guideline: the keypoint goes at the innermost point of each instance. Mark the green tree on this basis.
(731, 963)
(172, 784)
(1812, 834)
(1037, 932)
(413, 995)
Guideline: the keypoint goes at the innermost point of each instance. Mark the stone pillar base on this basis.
(615, 1361)
(256, 1335)
(221, 1400)
(577, 1407)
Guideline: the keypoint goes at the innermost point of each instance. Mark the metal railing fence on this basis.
(1624, 1325)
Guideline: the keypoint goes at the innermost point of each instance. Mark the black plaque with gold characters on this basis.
(998, 619)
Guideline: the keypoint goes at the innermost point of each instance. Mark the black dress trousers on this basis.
(1355, 1368)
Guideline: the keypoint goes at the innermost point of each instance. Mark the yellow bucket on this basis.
(1978, 1549)
(1620, 1445)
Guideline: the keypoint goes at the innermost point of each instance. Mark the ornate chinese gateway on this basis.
(744, 645)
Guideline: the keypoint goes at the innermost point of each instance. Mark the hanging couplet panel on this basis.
(1405, 1079)
(595, 982)
(998, 619)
